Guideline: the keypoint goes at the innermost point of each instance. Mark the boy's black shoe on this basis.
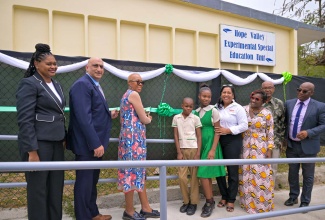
(183, 208)
(191, 209)
(207, 209)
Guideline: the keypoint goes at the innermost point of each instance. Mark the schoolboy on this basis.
(187, 135)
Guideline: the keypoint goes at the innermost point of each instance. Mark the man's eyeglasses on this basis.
(138, 82)
(256, 99)
(302, 90)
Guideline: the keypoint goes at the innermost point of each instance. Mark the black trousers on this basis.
(231, 146)
(308, 170)
(45, 188)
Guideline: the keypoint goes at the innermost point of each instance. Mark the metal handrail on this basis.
(162, 164)
(156, 141)
(276, 213)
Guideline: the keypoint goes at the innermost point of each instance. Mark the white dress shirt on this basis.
(301, 117)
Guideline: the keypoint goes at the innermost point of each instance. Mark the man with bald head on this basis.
(305, 121)
(88, 136)
(276, 106)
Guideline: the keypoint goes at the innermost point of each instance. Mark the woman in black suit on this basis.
(40, 114)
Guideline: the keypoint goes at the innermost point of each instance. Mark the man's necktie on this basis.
(101, 91)
(295, 125)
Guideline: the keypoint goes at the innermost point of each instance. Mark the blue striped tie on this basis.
(295, 125)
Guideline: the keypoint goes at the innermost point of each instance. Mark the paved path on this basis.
(318, 198)
(173, 213)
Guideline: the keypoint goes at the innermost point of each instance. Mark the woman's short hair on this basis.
(261, 92)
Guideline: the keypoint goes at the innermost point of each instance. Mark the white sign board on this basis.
(248, 46)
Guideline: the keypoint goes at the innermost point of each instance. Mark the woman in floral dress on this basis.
(255, 180)
(132, 146)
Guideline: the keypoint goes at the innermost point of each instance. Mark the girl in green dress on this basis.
(210, 147)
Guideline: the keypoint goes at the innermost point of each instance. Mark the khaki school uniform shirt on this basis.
(187, 129)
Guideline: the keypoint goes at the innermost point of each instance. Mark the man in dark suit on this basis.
(305, 121)
(88, 136)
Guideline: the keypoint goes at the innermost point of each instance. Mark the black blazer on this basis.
(40, 114)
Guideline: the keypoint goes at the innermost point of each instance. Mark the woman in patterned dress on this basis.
(255, 181)
(132, 146)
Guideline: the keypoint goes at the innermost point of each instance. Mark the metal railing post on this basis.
(163, 192)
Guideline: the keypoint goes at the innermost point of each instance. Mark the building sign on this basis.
(248, 46)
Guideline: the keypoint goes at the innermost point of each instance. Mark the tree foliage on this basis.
(299, 9)
(311, 56)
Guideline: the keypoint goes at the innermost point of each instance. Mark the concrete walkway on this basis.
(318, 198)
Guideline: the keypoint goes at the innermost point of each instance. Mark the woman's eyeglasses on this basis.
(302, 90)
(138, 82)
(256, 99)
(227, 85)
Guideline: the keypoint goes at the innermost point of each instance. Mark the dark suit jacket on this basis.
(90, 118)
(313, 123)
(40, 114)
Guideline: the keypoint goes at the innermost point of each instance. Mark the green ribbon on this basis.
(287, 76)
(147, 109)
(169, 69)
(165, 110)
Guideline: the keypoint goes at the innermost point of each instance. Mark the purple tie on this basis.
(295, 125)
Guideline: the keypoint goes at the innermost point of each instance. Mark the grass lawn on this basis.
(283, 168)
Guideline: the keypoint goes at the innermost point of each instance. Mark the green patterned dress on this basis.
(207, 141)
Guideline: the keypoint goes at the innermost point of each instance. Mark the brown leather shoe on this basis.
(102, 217)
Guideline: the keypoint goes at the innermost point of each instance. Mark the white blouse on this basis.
(54, 91)
(233, 117)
